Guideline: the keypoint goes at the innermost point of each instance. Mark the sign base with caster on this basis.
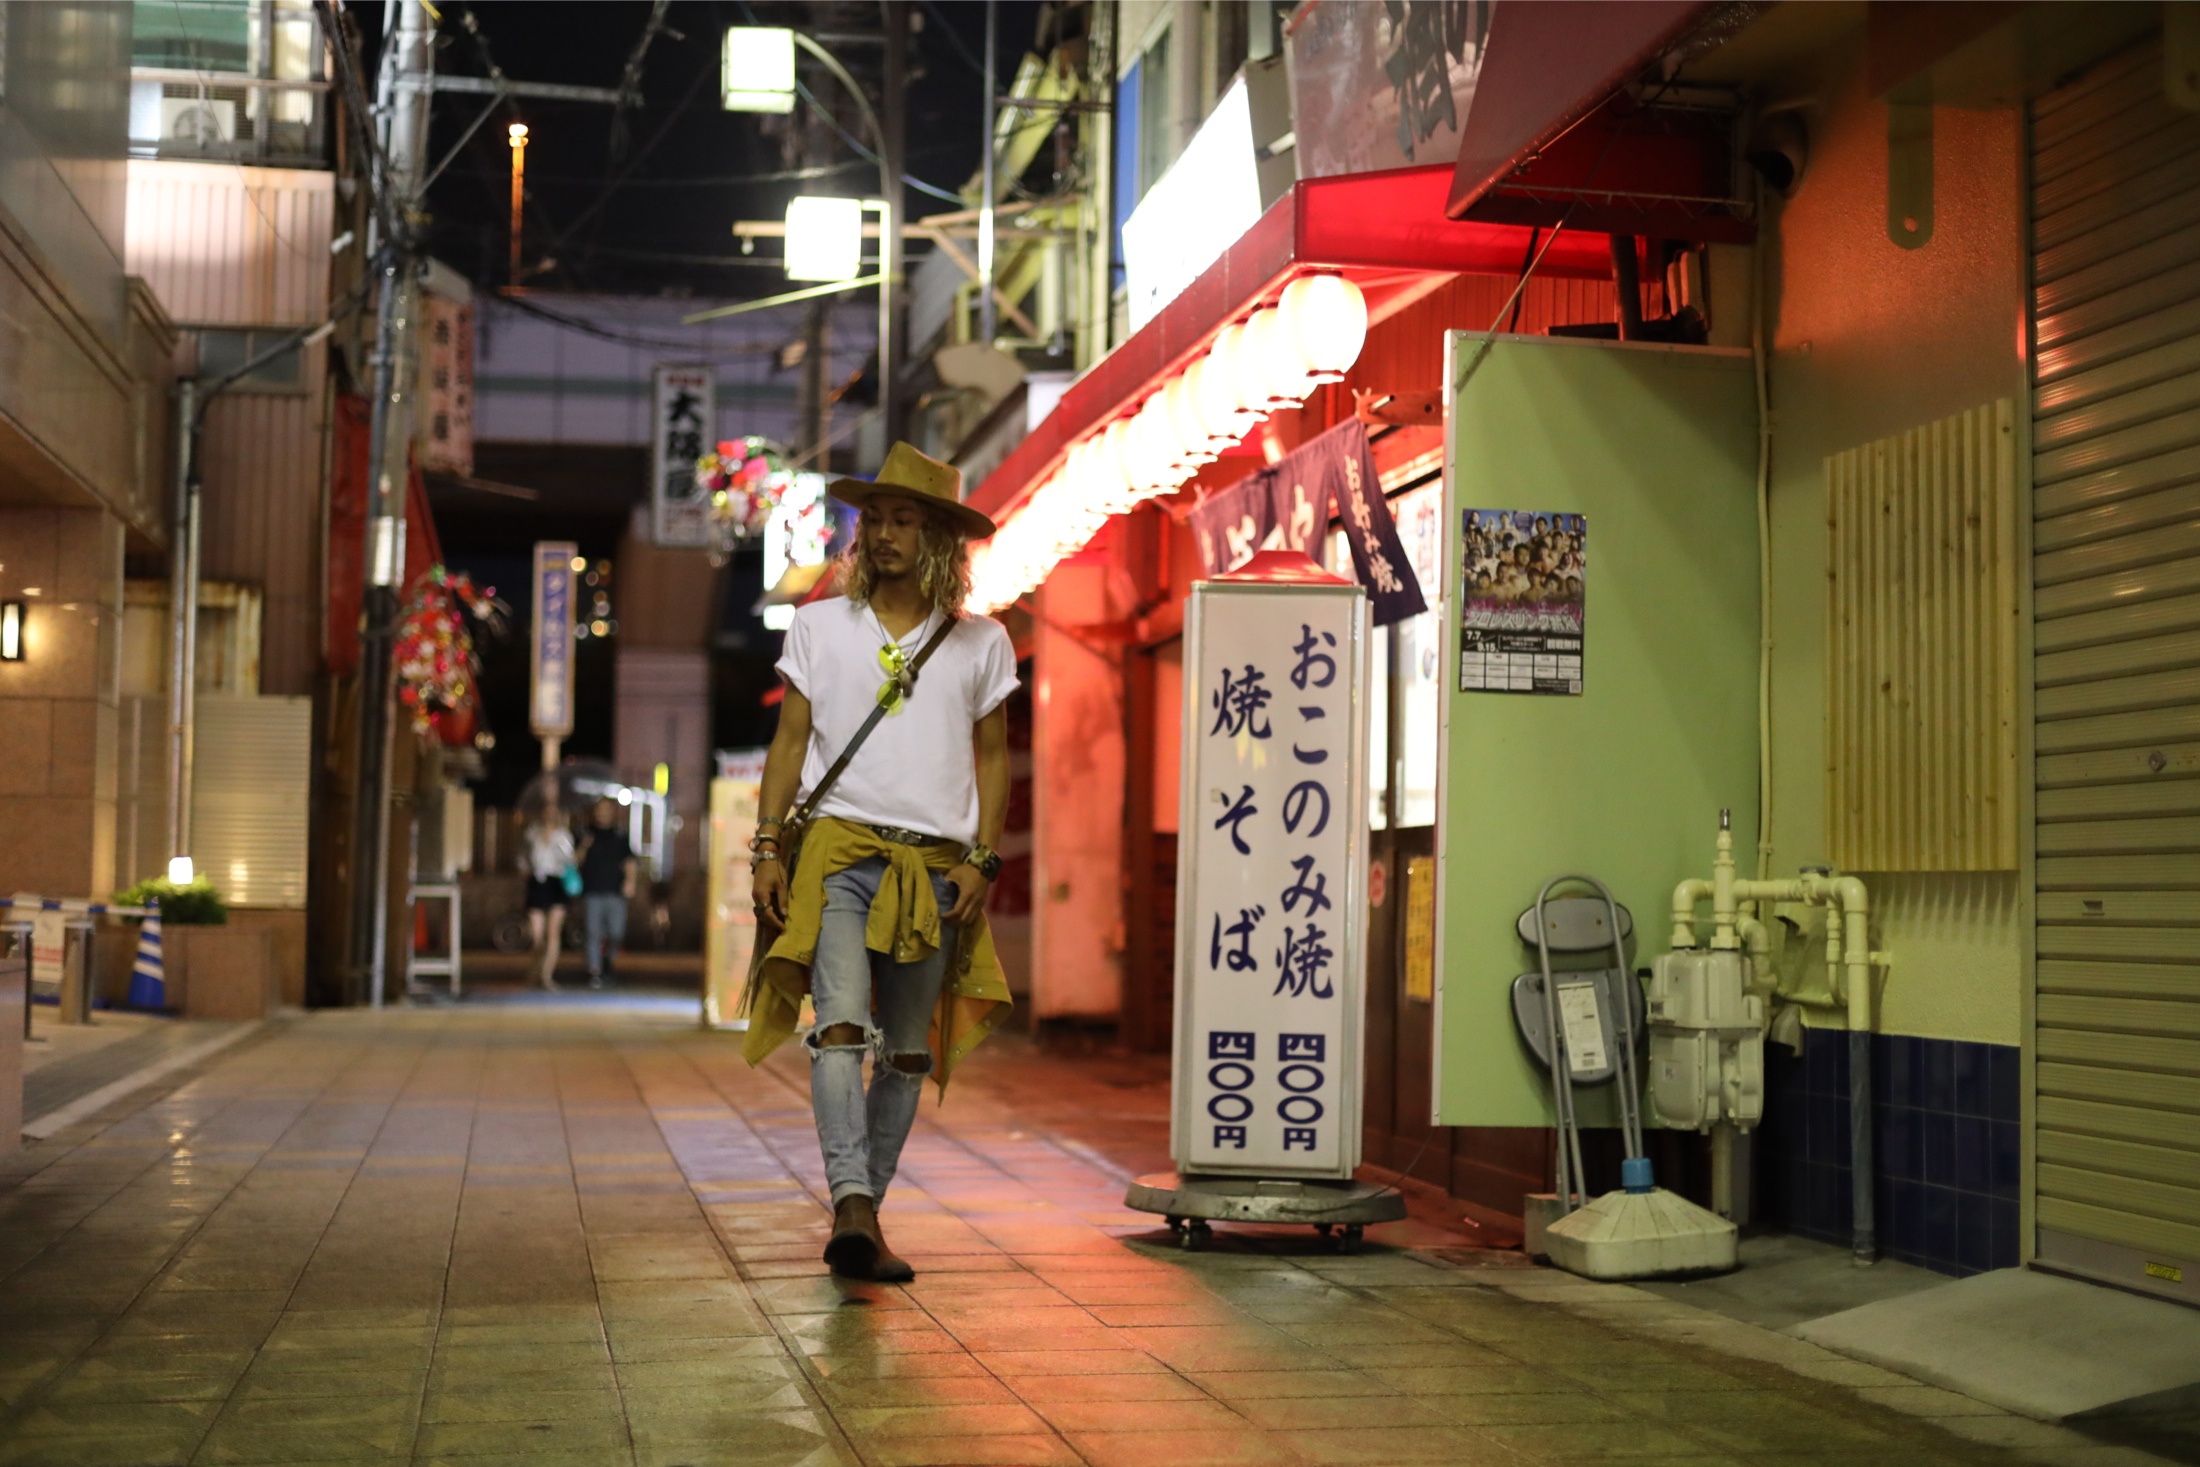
(1338, 1210)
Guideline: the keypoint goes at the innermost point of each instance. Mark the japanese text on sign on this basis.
(684, 425)
(1268, 972)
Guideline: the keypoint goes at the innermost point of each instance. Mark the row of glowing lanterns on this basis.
(1272, 360)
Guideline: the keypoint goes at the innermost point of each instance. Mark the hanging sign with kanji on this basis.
(1272, 878)
(684, 427)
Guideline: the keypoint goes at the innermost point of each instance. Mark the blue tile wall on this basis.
(1945, 1146)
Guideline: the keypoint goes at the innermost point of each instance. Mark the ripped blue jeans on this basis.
(861, 1134)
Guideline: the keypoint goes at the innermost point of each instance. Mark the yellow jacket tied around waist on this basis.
(904, 923)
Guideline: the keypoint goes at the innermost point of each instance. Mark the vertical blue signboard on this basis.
(550, 693)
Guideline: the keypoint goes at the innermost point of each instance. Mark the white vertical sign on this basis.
(729, 927)
(683, 418)
(550, 689)
(797, 533)
(1271, 880)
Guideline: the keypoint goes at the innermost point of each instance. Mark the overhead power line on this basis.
(530, 307)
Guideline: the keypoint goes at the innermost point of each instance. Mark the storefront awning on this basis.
(1554, 136)
(1387, 231)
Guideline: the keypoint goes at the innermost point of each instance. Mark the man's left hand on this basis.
(971, 888)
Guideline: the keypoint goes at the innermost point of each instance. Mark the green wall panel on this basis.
(1657, 446)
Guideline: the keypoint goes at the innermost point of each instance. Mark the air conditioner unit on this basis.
(197, 122)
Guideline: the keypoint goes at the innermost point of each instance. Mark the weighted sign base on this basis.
(1339, 1211)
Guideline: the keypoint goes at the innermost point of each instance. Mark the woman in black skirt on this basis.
(549, 856)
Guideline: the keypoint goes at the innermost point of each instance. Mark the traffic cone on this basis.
(148, 989)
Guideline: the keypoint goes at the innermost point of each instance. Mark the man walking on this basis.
(884, 913)
(607, 885)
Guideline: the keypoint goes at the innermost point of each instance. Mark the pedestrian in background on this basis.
(549, 858)
(607, 885)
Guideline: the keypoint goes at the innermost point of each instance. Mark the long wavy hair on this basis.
(943, 564)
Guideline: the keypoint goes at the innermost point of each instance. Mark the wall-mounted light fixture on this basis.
(179, 871)
(12, 614)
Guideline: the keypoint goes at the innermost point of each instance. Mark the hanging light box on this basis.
(756, 69)
(824, 238)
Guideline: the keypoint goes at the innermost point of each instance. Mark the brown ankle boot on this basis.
(854, 1248)
(889, 1267)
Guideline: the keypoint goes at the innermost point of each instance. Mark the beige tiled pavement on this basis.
(589, 1235)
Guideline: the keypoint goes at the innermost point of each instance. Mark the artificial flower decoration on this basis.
(436, 665)
(745, 478)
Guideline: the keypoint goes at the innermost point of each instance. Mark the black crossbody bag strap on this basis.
(878, 711)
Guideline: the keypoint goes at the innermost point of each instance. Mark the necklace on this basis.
(894, 659)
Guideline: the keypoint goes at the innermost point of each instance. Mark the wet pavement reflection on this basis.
(589, 1234)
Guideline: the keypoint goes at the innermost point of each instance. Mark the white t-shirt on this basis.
(548, 854)
(917, 770)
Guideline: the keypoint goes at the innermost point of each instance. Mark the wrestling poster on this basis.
(1520, 624)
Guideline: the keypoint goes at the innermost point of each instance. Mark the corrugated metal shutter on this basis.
(251, 767)
(2116, 570)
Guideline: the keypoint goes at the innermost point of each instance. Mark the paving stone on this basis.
(1018, 1450)
(110, 1448)
(1041, 1391)
(1397, 1444)
(502, 1234)
(1229, 1448)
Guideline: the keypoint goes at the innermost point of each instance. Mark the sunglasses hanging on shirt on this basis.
(901, 678)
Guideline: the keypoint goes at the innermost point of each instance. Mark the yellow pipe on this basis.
(1849, 960)
(1686, 898)
(1722, 889)
(1757, 942)
(1855, 905)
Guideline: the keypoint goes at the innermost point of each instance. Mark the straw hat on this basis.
(913, 475)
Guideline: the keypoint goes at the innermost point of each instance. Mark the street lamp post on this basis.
(889, 179)
(892, 141)
(408, 84)
(517, 132)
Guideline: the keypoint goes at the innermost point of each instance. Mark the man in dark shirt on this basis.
(607, 885)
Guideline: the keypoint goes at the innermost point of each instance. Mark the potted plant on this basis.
(184, 909)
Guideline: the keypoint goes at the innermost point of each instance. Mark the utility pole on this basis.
(1100, 198)
(811, 388)
(987, 322)
(893, 319)
(407, 82)
(183, 624)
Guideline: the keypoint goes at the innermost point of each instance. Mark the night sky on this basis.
(688, 169)
(654, 219)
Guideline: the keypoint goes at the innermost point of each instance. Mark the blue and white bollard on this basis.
(148, 989)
